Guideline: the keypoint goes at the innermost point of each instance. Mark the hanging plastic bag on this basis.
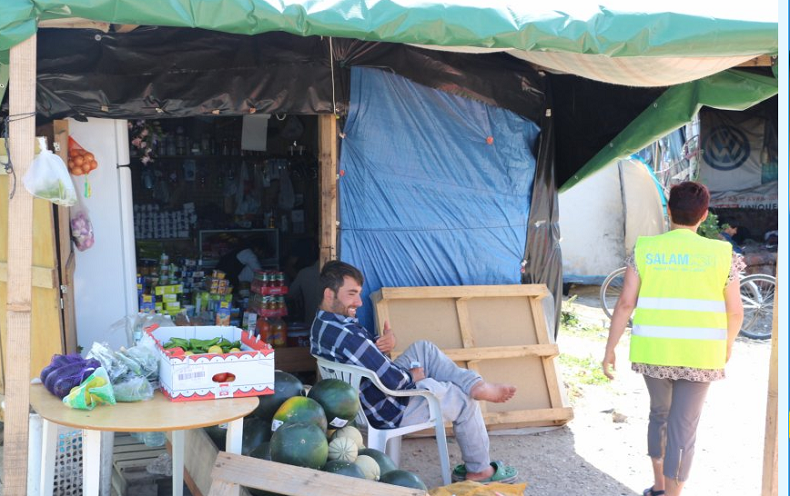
(49, 179)
(81, 226)
(95, 390)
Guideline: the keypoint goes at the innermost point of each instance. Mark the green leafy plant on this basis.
(710, 228)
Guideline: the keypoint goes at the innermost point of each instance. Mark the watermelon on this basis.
(403, 478)
(385, 462)
(339, 399)
(285, 386)
(256, 432)
(300, 443)
(300, 409)
(262, 452)
(344, 468)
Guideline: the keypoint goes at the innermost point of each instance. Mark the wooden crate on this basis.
(499, 331)
(130, 459)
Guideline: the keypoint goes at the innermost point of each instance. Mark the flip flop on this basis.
(651, 492)
(502, 473)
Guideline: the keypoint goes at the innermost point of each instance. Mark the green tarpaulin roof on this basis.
(620, 29)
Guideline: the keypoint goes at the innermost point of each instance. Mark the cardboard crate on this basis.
(189, 378)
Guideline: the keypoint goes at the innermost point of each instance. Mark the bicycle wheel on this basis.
(610, 291)
(757, 295)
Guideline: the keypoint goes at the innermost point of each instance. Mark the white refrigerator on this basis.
(105, 285)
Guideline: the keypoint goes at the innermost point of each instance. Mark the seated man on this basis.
(336, 335)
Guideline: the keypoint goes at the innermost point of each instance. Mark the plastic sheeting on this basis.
(728, 90)
(435, 190)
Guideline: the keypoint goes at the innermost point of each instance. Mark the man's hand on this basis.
(386, 342)
(417, 374)
(608, 364)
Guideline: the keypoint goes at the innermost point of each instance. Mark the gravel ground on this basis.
(602, 452)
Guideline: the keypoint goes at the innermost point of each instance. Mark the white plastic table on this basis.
(158, 414)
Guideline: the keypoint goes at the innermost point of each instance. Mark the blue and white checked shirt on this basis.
(342, 339)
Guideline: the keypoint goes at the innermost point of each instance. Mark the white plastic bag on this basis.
(48, 178)
(81, 226)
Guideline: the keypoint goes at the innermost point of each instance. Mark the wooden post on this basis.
(22, 108)
(770, 454)
(327, 147)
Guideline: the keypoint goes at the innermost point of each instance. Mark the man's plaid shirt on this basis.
(341, 339)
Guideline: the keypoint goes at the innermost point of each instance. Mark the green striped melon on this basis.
(300, 443)
(339, 399)
(403, 478)
(344, 468)
(300, 409)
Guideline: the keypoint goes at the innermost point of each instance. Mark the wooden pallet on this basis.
(499, 331)
(130, 459)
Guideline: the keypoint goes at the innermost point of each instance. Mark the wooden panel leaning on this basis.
(499, 331)
(231, 471)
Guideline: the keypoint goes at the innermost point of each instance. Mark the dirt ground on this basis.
(602, 452)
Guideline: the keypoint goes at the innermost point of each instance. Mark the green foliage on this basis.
(710, 228)
(568, 317)
(583, 370)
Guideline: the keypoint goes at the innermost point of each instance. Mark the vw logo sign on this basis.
(726, 148)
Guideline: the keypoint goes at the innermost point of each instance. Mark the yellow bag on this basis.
(471, 488)
(95, 390)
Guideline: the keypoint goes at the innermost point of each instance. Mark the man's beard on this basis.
(338, 308)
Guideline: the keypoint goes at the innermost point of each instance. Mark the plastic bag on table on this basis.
(142, 360)
(49, 179)
(95, 390)
(132, 388)
(65, 372)
(115, 368)
(471, 488)
(81, 226)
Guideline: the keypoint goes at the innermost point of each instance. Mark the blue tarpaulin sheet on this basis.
(434, 188)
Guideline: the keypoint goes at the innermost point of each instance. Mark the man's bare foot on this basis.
(478, 476)
(493, 392)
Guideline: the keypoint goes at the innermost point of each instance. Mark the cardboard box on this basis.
(170, 289)
(190, 378)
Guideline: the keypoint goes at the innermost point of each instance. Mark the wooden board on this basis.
(499, 331)
(230, 471)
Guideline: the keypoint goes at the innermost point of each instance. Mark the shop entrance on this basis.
(226, 215)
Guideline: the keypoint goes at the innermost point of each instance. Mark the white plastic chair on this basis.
(389, 440)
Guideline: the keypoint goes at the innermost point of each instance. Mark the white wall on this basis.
(105, 286)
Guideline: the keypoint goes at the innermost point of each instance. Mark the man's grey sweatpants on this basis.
(675, 408)
(451, 384)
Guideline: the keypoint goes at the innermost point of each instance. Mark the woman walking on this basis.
(685, 291)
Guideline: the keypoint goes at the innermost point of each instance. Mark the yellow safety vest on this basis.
(680, 317)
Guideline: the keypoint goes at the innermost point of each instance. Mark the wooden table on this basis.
(158, 414)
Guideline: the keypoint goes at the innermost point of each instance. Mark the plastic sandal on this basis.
(502, 473)
(650, 492)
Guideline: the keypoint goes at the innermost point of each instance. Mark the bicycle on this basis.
(757, 295)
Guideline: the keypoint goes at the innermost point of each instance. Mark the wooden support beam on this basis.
(498, 352)
(75, 23)
(327, 179)
(22, 108)
(771, 450)
(42, 277)
(534, 290)
(761, 61)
